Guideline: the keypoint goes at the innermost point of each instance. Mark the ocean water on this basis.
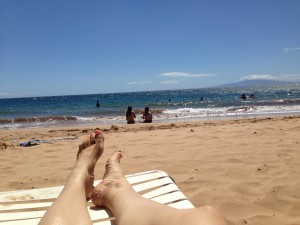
(175, 105)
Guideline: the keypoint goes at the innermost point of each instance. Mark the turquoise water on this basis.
(175, 105)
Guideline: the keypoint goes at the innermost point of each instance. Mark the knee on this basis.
(212, 214)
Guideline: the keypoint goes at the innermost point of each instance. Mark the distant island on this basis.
(247, 83)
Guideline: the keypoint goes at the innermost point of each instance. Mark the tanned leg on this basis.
(70, 207)
(115, 193)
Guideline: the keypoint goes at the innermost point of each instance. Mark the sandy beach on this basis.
(247, 168)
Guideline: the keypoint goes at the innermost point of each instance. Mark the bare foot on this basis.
(128, 207)
(70, 206)
(87, 156)
(112, 180)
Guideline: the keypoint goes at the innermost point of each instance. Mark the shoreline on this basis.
(247, 168)
(73, 121)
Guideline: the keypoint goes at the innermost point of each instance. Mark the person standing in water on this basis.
(98, 104)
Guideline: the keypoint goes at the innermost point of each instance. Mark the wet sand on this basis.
(248, 168)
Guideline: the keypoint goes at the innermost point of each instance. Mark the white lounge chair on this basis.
(26, 207)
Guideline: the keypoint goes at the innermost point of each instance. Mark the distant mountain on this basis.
(247, 83)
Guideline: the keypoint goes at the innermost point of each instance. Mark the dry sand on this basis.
(249, 169)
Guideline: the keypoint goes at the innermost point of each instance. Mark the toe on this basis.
(94, 138)
(117, 156)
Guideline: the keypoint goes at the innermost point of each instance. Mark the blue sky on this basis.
(55, 47)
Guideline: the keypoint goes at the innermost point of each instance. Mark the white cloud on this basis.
(290, 49)
(170, 82)
(187, 75)
(138, 82)
(258, 77)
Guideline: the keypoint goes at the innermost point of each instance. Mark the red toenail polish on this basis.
(97, 133)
